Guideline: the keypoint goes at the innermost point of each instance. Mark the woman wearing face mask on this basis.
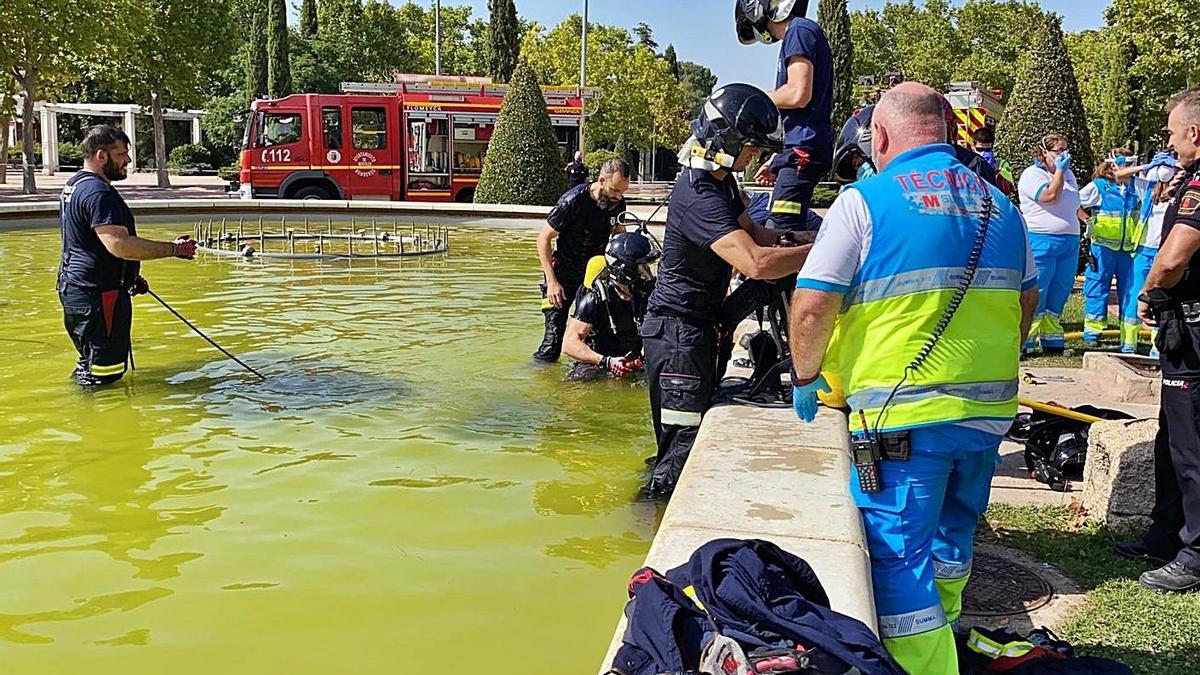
(1158, 174)
(1049, 196)
(1116, 228)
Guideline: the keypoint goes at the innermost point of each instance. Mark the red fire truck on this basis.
(415, 141)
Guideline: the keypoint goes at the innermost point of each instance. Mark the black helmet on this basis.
(854, 141)
(629, 256)
(750, 17)
(736, 116)
(1056, 447)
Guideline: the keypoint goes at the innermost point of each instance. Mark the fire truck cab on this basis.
(417, 141)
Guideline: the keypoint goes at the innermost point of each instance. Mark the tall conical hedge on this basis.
(1046, 99)
(523, 164)
(834, 17)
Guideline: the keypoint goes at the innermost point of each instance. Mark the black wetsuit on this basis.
(583, 231)
(614, 321)
(93, 284)
(680, 329)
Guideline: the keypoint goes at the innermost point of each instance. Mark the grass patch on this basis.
(1072, 321)
(1151, 632)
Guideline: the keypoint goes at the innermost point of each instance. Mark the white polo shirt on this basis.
(1057, 217)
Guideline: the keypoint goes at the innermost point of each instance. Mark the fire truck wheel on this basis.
(311, 192)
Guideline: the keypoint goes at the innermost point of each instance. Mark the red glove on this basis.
(183, 247)
(139, 286)
(619, 366)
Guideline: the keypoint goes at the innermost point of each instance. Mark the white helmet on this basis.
(751, 17)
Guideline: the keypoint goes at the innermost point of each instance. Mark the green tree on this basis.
(1089, 51)
(279, 67)
(43, 44)
(672, 62)
(1118, 121)
(505, 39)
(170, 61)
(645, 36)
(834, 17)
(874, 45)
(523, 164)
(1045, 99)
(641, 98)
(996, 33)
(927, 43)
(697, 82)
(256, 57)
(308, 19)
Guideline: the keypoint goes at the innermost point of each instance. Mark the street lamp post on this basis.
(437, 38)
(583, 77)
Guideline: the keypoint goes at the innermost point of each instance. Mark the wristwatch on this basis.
(798, 381)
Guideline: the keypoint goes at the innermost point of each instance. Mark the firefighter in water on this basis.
(582, 222)
(602, 335)
(804, 95)
(101, 254)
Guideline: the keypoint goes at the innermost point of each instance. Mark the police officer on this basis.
(707, 235)
(804, 95)
(1171, 300)
(602, 335)
(582, 221)
(928, 335)
(577, 172)
(101, 254)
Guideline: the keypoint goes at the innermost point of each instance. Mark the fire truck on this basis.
(974, 108)
(409, 140)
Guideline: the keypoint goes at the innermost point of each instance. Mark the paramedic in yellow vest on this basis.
(928, 273)
(1114, 197)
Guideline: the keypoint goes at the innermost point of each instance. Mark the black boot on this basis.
(1138, 550)
(551, 346)
(1174, 577)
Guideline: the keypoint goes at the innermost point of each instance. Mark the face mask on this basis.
(988, 156)
(1162, 174)
(865, 171)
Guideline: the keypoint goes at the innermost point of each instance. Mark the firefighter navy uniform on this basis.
(1116, 233)
(808, 133)
(679, 333)
(583, 231)
(955, 407)
(613, 322)
(93, 284)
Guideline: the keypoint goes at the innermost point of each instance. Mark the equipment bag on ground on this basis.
(741, 607)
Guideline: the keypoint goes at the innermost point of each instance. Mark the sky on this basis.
(702, 30)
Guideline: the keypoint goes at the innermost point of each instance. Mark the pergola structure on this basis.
(128, 112)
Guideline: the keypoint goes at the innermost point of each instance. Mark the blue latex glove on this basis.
(1162, 159)
(804, 399)
(1063, 161)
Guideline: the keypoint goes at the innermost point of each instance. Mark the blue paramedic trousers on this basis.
(1057, 259)
(1096, 285)
(920, 530)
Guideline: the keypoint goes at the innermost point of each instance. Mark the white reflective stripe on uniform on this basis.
(679, 418)
(995, 391)
(935, 278)
(988, 426)
(945, 570)
(912, 623)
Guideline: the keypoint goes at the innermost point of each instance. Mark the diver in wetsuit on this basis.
(602, 334)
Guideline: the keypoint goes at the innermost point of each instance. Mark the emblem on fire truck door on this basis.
(333, 156)
(366, 162)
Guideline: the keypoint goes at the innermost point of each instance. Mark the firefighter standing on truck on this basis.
(708, 234)
(99, 268)
(582, 221)
(1170, 300)
(804, 95)
(929, 332)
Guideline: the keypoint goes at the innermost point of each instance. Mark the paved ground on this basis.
(137, 186)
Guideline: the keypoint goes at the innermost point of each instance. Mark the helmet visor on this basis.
(748, 33)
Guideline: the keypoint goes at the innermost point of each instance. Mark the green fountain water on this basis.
(404, 494)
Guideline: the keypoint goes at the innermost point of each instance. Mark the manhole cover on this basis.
(999, 587)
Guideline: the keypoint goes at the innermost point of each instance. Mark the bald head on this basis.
(908, 116)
